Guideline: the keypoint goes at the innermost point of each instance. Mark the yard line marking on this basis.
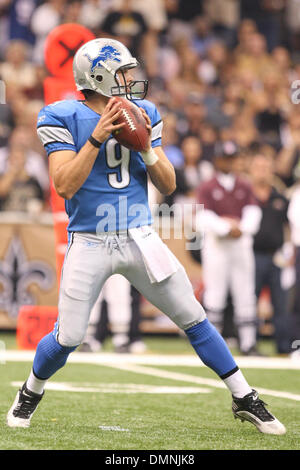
(118, 388)
(165, 374)
(113, 428)
(156, 360)
(198, 380)
(279, 394)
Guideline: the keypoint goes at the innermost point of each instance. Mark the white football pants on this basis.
(91, 259)
(117, 293)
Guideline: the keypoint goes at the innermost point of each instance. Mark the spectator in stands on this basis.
(225, 15)
(288, 161)
(270, 114)
(283, 62)
(233, 100)
(216, 58)
(196, 170)
(19, 191)
(255, 57)
(269, 121)
(17, 70)
(245, 29)
(46, 16)
(244, 129)
(293, 25)
(267, 14)
(203, 36)
(195, 112)
(18, 102)
(4, 25)
(20, 152)
(72, 11)
(155, 22)
(171, 140)
(93, 13)
(191, 174)
(184, 10)
(7, 123)
(268, 241)
(208, 136)
(27, 122)
(19, 14)
(127, 25)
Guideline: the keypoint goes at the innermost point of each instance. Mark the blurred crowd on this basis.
(219, 70)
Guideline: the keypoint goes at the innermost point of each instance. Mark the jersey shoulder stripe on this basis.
(157, 130)
(52, 133)
(54, 126)
(157, 123)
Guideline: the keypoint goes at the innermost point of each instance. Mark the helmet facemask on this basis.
(135, 90)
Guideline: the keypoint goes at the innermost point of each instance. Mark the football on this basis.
(134, 135)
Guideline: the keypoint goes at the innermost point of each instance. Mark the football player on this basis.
(105, 188)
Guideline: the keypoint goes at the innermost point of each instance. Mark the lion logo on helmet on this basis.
(106, 53)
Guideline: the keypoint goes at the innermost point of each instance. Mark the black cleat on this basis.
(251, 408)
(24, 406)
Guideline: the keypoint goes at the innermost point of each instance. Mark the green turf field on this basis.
(97, 406)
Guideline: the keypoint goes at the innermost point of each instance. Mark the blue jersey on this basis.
(114, 196)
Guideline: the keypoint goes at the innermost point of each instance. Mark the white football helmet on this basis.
(95, 67)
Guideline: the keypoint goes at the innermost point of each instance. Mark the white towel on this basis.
(159, 261)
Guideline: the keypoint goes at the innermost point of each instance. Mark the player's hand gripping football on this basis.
(106, 125)
(149, 127)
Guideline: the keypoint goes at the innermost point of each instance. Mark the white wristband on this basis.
(149, 157)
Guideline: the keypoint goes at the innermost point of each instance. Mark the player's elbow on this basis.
(64, 192)
(170, 189)
(66, 195)
(165, 186)
(171, 186)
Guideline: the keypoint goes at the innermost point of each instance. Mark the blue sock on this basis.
(49, 357)
(211, 348)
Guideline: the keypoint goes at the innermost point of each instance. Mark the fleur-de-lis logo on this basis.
(17, 274)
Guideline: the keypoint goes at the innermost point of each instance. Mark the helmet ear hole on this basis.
(99, 78)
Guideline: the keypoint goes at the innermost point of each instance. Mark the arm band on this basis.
(94, 142)
(149, 157)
